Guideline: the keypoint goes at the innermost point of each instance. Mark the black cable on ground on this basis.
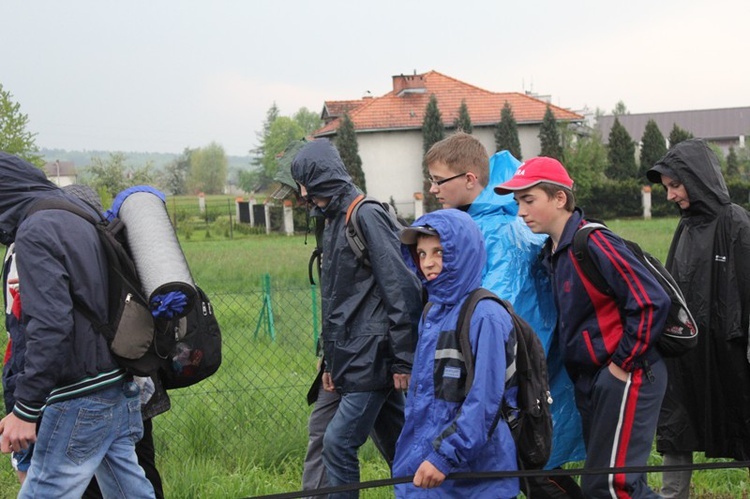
(508, 474)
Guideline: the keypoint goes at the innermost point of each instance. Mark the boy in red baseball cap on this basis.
(607, 340)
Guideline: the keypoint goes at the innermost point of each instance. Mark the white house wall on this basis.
(392, 161)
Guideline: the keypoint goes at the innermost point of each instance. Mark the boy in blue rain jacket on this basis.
(446, 431)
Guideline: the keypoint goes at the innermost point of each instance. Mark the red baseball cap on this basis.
(534, 171)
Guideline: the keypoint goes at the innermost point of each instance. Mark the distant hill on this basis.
(82, 159)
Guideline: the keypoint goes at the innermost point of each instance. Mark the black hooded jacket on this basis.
(707, 404)
(58, 256)
(370, 314)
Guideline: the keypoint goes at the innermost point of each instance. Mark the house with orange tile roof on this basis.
(389, 128)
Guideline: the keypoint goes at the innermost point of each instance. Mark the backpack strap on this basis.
(354, 236)
(352, 207)
(107, 232)
(60, 204)
(463, 325)
(317, 253)
(462, 329)
(583, 256)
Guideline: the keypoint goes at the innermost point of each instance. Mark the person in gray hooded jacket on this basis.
(91, 409)
(370, 313)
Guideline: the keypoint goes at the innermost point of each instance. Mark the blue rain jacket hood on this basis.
(464, 256)
(514, 271)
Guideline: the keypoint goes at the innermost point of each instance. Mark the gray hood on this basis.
(320, 169)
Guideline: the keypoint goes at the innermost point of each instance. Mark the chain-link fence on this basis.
(254, 407)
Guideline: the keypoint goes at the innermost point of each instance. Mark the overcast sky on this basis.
(162, 75)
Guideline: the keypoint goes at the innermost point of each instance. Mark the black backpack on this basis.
(354, 235)
(531, 422)
(680, 333)
(184, 350)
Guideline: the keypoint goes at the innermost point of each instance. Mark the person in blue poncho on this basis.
(447, 429)
(460, 172)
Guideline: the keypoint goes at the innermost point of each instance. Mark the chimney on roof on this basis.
(408, 84)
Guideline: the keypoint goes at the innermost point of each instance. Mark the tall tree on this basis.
(677, 135)
(308, 120)
(433, 131)
(549, 136)
(621, 153)
(112, 175)
(208, 169)
(14, 136)
(259, 152)
(620, 109)
(506, 133)
(733, 164)
(653, 148)
(346, 143)
(283, 131)
(586, 160)
(463, 120)
(174, 177)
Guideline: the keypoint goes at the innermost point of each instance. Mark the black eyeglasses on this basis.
(441, 182)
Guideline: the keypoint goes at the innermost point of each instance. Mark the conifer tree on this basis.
(621, 153)
(506, 133)
(677, 135)
(463, 120)
(433, 131)
(653, 148)
(346, 143)
(549, 136)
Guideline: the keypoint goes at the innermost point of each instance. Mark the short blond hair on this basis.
(461, 153)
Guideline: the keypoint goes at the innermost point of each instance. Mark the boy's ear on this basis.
(561, 198)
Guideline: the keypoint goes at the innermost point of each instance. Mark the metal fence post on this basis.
(267, 310)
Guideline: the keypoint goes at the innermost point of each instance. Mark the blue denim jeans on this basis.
(355, 417)
(93, 434)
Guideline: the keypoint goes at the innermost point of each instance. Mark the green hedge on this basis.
(609, 200)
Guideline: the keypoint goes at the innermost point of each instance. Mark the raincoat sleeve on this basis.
(398, 287)
(742, 271)
(48, 312)
(467, 435)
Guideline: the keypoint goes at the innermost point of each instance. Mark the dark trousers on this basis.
(146, 453)
(619, 423)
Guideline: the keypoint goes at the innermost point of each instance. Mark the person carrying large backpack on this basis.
(69, 372)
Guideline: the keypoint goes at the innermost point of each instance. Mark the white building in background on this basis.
(62, 173)
(389, 128)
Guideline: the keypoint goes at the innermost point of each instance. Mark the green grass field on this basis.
(208, 448)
